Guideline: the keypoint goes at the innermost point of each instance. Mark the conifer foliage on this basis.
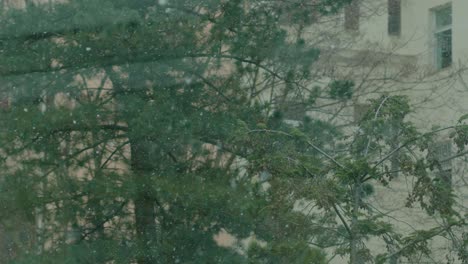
(153, 132)
(122, 130)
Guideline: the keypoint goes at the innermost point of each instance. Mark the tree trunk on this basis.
(354, 243)
(143, 165)
(145, 214)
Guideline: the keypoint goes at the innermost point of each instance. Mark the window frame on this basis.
(394, 17)
(436, 32)
(352, 16)
(442, 151)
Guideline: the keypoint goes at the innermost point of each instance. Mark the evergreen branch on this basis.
(328, 156)
(348, 229)
(47, 34)
(423, 238)
(114, 152)
(88, 128)
(461, 154)
(106, 219)
(375, 118)
(407, 142)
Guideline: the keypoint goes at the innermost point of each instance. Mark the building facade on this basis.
(416, 48)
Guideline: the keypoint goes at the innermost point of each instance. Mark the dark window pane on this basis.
(444, 48)
(394, 17)
(444, 17)
(352, 16)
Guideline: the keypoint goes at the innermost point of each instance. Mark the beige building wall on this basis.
(439, 96)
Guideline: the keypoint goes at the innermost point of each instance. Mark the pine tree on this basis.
(141, 131)
(126, 118)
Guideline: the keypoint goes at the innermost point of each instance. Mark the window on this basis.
(443, 36)
(352, 16)
(441, 152)
(293, 11)
(315, 13)
(394, 17)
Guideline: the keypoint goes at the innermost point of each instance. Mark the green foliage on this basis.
(131, 139)
(285, 252)
(138, 132)
(341, 89)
